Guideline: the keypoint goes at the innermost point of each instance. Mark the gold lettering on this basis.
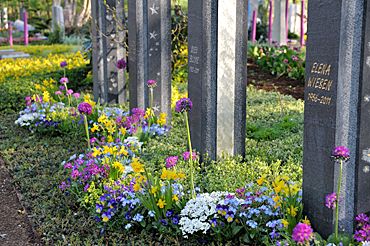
(313, 69)
(327, 71)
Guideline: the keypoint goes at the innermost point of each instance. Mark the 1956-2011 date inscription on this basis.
(320, 81)
(314, 97)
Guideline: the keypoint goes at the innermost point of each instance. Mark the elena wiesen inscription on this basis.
(194, 59)
(319, 80)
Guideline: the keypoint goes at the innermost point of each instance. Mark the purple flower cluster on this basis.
(121, 64)
(85, 108)
(330, 200)
(171, 161)
(186, 155)
(151, 83)
(362, 232)
(184, 105)
(302, 233)
(63, 64)
(341, 153)
(64, 80)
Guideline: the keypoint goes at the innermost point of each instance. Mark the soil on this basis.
(15, 227)
(265, 81)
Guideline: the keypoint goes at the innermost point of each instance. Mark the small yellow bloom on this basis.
(162, 119)
(161, 203)
(136, 187)
(154, 190)
(261, 180)
(96, 152)
(285, 223)
(119, 166)
(175, 198)
(123, 151)
(95, 128)
(149, 113)
(110, 139)
(137, 166)
(306, 221)
(292, 211)
(123, 131)
(46, 96)
(105, 219)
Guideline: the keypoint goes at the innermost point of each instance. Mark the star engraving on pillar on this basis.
(153, 35)
(154, 9)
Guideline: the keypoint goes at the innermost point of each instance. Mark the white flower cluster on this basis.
(196, 214)
(367, 243)
(27, 118)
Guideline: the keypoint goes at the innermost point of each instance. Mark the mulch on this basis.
(15, 227)
(265, 81)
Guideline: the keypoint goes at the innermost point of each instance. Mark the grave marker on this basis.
(331, 113)
(217, 75)
(149, 34)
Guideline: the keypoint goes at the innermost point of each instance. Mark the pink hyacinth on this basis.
(302, 233)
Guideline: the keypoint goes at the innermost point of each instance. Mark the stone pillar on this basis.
(336, 112)
(58, 19)
(149, 34)
(217, 75)
(279, 25)
(108, 47)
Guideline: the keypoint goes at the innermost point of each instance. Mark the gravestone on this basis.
(217, 75)
(332, 115)
(149, 35)
(58, 19)
(279, 24)
(108, 42)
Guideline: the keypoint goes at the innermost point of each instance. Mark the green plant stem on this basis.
(191, 156)
(337, 201)
(87, 132)
(68, 96)
(151, 97)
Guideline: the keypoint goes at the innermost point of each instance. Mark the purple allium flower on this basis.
(121, 64)
(362, 219)
(330, 200)
(58, 93)
(85, 108)
(64, 80)
(63, 64)
(341, 153)
(285, 61)
(183, 105)
(151, 83)
(76, 95)
(186, 155)
(171, 161)
(362, 234)
(302, 233)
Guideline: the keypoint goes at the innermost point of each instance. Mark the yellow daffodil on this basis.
(96, 152)
(119, 166)
(285, 223)
(261, 180)
(292, 211)
(161, 203)
(95, 128)
(154, 190)
(137, 166)
(123, 131)
(162, 119)
(175, 198)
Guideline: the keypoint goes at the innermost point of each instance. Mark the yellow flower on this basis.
(292, 211)
(107, 149)
(96, 152)
(123, 151)
(105, 218)
(110, 139)
(161, 203)
(102, 119)
(154, 190)
(175, 198)
(119, 166)
(123, 131)
(136, 187)
(137, 166)
(306, 221)
(261, 180)
(95, 128)
(162, 119)
(285, 223)
(149, 113)
(46, 96)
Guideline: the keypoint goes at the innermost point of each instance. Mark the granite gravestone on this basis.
(58, 19)
(149, 35)
(332, 118)
(279, 24)
(107, 49)
(217, 75)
